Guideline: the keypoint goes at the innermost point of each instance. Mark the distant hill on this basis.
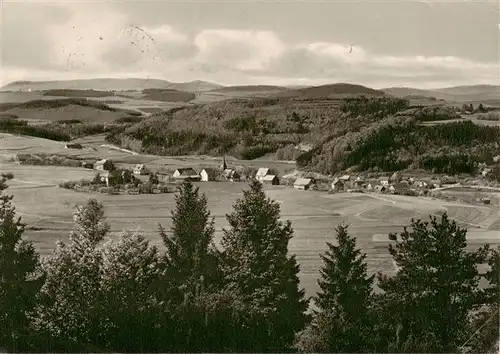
(459, 94)
(66, 109)
(103, 84)
(167, 95)
(249, 89)
(194, 86)
(339, 89)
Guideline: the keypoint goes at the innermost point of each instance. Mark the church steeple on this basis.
(224, 165)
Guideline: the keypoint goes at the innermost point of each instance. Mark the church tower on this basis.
(224, 165)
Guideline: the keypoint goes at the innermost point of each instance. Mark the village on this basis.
(398, 183)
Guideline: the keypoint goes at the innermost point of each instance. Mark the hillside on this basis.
(64, 109)
(103, 84)
(364, 133)
(338, 90)
(251, 128)
(488, 94)
(249, 89)
(194, 86)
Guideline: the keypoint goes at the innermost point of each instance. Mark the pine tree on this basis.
(191, 274)
(20, 277)
(436, 287)
(130, 266)
(259, 272)
(342, 322)
(485, 325)
(190, 254)
(69, 309)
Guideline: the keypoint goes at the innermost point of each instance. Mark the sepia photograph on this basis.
(250, 176)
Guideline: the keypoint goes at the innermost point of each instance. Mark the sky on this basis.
(424, 44)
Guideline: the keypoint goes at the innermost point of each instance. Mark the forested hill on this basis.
(359, 132)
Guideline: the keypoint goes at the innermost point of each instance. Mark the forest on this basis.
(97, 293)
(381, 133)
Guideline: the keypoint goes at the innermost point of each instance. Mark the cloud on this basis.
(101, 42)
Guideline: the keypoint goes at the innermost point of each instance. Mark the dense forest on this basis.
(400, 142)
(57, 103)
(96, 293)
(251, 128)
(381, 133)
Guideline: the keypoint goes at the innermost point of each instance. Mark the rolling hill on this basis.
(489, 94)
(249, 89)
(65, 109)
(339, 89)
(103, 84)
(194, 86)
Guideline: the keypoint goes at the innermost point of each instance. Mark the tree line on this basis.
(94, 293)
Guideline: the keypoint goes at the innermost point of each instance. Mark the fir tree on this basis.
(70, 305)
(130, 266)
(191, 272)
(342, 322)
(259, 272)
(485, 325)
(20, 277)
(436, 287)
(190, 254)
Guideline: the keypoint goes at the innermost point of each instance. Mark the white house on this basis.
(187, 174)
(208, 174)
(262, 173)
(303, 183)
(231, 175)
(384, 181)
(140, 169)
(271, 179)
(338, 185)
(103, 165)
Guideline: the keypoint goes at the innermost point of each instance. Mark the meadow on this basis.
(47, 209)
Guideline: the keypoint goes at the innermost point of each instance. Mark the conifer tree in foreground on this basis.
(20, 277)
(191, 273)
(261, 275)
(342, 322)
(190, 253)
(435, 289)
(485, 335)
(69, 310)
(132, 313)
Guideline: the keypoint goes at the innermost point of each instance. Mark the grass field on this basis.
(48, 211)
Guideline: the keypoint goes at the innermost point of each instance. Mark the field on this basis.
(48, 209)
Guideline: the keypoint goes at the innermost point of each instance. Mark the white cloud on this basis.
(240, 50)
(100, 42)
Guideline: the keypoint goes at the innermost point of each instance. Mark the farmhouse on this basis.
(384, 181)
(271, 179)
(140, 169)
(345, 178)
(435, 183)
(104, 165)
(208, 174)
(73, 146)
(399, 188)
(303, 183)
(231, 175)
(380, 188)
(116, 177)
(338, 185)
(186, 174)
(262, 173)
(422, 184)
(359, 182)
